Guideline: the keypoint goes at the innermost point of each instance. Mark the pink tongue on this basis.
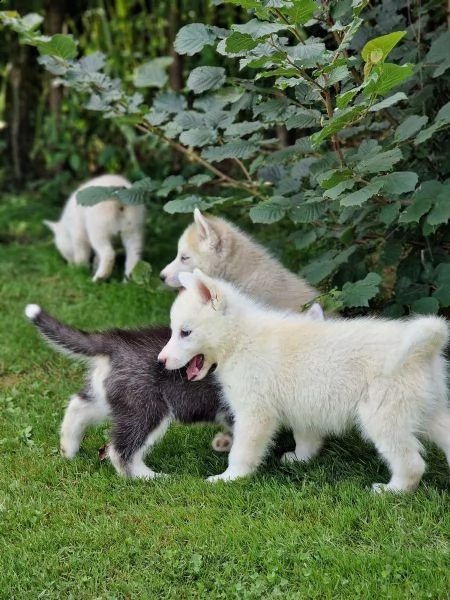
(193, 368)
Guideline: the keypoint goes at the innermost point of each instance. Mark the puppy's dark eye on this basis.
(185, 333)
(184, 258)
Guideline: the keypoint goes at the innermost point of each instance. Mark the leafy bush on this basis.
(362, 169)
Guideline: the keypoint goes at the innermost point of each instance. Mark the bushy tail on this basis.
(64, 337)
(426, 336)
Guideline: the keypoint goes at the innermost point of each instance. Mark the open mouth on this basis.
(195, 366)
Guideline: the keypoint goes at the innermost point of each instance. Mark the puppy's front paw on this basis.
(230, 475)
(289, 457)
(382, 488)
(222, 477)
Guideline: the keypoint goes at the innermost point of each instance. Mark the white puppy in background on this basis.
(82, 229)
(316, 377)
(220, 249)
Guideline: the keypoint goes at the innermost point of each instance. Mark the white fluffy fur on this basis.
(316, 377)
(32, 311)
(220, 249)
(82, 228)
(79, 415)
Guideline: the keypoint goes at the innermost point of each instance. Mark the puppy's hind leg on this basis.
(438, 430)
(129, 444)
(133, 243)
(386, 423)
(102, 246)
(306, 447)
(81, 412)
(251, 438)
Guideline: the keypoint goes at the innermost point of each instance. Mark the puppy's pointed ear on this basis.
(315, 312)
(52, 225)
(209, 289)
(205, 230)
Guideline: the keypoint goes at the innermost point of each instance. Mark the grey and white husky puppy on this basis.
(128, 386)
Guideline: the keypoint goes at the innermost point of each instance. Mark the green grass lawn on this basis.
(74, 529)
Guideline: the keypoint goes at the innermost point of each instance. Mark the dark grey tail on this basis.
(66, 337)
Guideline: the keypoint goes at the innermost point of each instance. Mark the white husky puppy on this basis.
(316, 377)
(82, 228)
(220, 249)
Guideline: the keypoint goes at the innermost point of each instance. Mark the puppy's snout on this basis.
(162, 276)
(162, 360)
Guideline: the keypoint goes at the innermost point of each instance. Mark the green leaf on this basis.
(440, 213)
(334, 192)
(203, 79)
(200, 179)
(443, 115)
(259, 29)
(306, 212)
(389, 213)
(169, 102)
(398, 182)
(190, 119)
(325, 265)
(266, 212)
(156, 118)
(394, 99)
(188, 203)
(438, 55)
(92, 62)
(153, 73)
(442, 273)
(303, 239)
(381, 46)
(360, 292)
(442, 278)
(442, 295)
(301, 11)
(141, 273)
(308, 54)
(239, 43)
(425, 134)
(303, 118)
(198, 137)
(336, 75)
(409, 127)
(362, 195)
(243, 128)
(53, 65)
(234, 149)
(134, 195)
(171, 183)
(193, 38)
(329, 179)
(95, 194)
(28, 23)
(342, 100)
(386, 76)
(341, 120)
(383, 161)
(62, 46)
(425, 306)
(422, 200)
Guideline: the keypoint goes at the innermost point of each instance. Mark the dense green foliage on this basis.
(360, 176)
(75, 530)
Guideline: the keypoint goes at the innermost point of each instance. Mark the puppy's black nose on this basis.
(162, 277)
(162, 361)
